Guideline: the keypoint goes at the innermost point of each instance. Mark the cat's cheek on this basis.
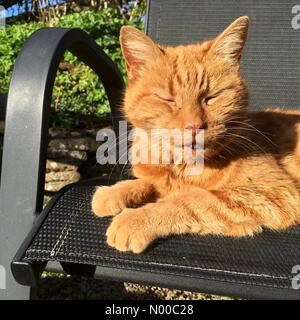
(129, 231)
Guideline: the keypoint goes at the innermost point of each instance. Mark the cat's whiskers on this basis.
(123, 168)
(255, 129)
(117, 163)
(117, 140)
(249, 141)
(248, 148)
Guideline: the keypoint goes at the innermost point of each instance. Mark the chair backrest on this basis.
(271, 58)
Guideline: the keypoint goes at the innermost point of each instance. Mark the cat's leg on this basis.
(231, 213)
(109, 201)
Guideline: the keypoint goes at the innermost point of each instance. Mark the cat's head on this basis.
(194, 86)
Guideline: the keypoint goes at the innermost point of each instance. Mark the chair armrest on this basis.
(26, 129)
(3, 98)
(28, 107)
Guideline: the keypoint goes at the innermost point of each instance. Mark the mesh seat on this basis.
(72, 233)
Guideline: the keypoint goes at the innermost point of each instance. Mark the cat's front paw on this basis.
(106, 202)
(129, 231)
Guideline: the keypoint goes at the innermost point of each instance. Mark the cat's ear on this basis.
(229, 44)
(138, 50)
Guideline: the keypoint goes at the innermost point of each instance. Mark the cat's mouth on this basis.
(196, 143)
(193, 144)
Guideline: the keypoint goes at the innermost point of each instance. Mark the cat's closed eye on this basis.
(166, 99)
(209, 100)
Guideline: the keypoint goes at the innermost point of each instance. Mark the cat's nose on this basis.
(195, 126)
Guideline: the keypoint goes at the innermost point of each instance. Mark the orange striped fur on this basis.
(251, 176)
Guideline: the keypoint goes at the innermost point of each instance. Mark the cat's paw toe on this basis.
(107, 203)
(127, 232)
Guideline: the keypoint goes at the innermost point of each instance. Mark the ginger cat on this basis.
(251, 176)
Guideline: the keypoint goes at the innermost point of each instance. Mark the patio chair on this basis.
(67, 237)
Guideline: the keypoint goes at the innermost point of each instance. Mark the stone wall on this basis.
(67, 153)
(71, 156)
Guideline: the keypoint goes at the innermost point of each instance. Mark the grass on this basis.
(55, 286)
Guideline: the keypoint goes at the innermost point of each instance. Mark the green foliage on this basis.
(11, 41)
(78, 92)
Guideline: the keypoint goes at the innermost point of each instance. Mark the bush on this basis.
(78, 92)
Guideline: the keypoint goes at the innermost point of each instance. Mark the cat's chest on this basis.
(208, 179)
(168, 180)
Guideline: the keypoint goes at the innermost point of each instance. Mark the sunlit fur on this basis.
(251, 176)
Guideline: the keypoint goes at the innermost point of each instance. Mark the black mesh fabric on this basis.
(71, 233)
